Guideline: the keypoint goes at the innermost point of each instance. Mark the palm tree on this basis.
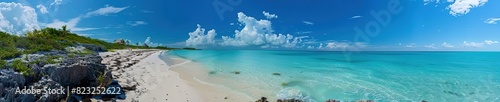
(65, 31)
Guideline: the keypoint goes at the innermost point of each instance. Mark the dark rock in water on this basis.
(331, 100)
(290, 100)
(453, 93)
(236, 72)
(277, 74)
(423, 101)
(262, 99)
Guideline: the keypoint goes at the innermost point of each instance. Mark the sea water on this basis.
(379, 76)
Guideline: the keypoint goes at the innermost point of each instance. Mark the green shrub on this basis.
(3, 64)
(100, 78)
(71, 55)
(51, 59)
(21, 67)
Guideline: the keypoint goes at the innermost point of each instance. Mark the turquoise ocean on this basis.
(380, 76)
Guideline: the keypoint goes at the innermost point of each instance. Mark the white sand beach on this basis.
(153, 80)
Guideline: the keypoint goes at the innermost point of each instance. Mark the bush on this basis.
(51, 59)
(3, 64)
(21, 67)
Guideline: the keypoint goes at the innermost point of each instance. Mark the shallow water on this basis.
(380, 76)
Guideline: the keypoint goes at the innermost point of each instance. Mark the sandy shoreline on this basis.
(155, 80)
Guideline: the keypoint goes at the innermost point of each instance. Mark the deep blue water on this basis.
(380, 76)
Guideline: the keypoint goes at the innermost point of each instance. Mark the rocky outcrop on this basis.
(11, 80)
(94, 47)
(80, 70)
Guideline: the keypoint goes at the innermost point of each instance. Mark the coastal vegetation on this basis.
(48, 39)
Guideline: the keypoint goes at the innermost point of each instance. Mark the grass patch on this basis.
(21, 67)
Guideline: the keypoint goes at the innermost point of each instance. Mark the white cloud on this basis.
(354, 17)
(304, 32)
(136, 23)
(151, 44)
(462, 7)
(71, 24)
(334, 45)
(411, 45)
(310, 47)
(106, 10)
(269, 16)
(42, 9)
(489, 42)
(432, 46)
(198, 37)
(492, 20)
(259, 33)
(56, 2)
(472, 44)
(308, 23)
(447, 45)
(16, 18)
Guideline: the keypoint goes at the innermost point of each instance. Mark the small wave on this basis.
(290, 93)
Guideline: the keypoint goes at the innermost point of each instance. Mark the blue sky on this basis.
(433, 25)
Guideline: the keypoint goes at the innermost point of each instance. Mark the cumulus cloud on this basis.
(431, 46)
(150, 43)
(259, 33)
(462, 7)
(334, 45)
(71, 24)
(411, 45)
(447, 45)
(42, 9)
(354, 17)
(489, 42)
(16, 18)
(105, 11)
(308, 23)
(269, 16)
(198, 37)
(472, 44)
(492, 20)
(136, 23)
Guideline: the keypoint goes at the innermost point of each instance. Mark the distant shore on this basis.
(152, 79)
